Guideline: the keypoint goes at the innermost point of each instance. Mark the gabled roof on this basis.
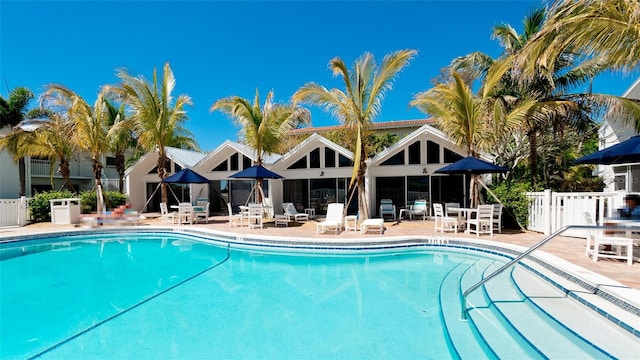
(315, 137)
(243, 149)
(374, 126)
(182, 157)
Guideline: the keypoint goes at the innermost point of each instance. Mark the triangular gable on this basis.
(182, 157)
(417, 135)
(225, 151)
(305, 147)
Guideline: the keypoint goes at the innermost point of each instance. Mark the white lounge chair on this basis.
(387, 208)
(372, 224)
(291, 212)
(419, 208)
(442, 222)
(333, 218)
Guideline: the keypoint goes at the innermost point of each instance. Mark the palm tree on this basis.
(263, 128)
(12, 112)
(121, 137)
(157, 119)
(90, 124)
(606, 29)
(357, 106)
(556, 107)
(467, 118)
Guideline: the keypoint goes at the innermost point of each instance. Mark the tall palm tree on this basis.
(157, 119)
(121, 137)
(263, 128)
(606, 29)
(90, 124)
(12, 112)
(357, 106)
(467, 118)
(556, 106)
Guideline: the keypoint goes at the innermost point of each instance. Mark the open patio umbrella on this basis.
(186, 176)
(472, 166)
(257, 172)
(627, 151)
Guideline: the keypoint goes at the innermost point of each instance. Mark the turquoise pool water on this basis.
(157, 296)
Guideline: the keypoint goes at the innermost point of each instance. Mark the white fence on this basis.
(549, 211)
(14, 212)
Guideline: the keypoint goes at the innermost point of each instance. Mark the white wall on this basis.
(9, 177)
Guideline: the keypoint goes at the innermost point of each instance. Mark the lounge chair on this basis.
(333, 218)
(419, 208)
(202, 211)
(291, 212)
(387, 208)
(372, 224)
(442, 222)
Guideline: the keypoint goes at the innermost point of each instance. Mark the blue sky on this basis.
(224, 48)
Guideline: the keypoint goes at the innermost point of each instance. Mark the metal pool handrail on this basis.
(463, 298)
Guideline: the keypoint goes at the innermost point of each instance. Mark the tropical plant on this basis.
(121, 137)
(357, 106)
(158, 120)
(12, 112)
(90, 124)
(605, 29)
(40, 207)
(263, 128)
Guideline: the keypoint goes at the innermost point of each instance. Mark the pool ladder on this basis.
(463, 299)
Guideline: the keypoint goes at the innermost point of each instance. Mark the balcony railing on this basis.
(76, 169)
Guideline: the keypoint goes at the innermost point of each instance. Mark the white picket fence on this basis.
(549, 211)
(14, 212)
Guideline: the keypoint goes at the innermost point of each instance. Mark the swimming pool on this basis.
(170, 295)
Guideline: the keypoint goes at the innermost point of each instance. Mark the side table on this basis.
(351, 223)
(311, 212)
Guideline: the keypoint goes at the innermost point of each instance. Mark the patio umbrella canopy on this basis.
(472, 165)
(627, 151)
(186, 176)
(256, 172)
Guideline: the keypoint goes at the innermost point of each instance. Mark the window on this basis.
(176, 167)
(246, 162)
(223, 166)
(300, 164)
(397, 159)
(314, 159)
(111, 161)
(414, 153)
(433, 153)
(329, 158)
(450, 156)
(234, 161)
(344, 161)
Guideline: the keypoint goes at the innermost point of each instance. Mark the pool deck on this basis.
(569, 249)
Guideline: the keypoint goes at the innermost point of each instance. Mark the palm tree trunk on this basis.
(66, 175)
(97, 171)
(363, 204)
(120, 166)
(22, 172)
(533, 156)
(162, 173)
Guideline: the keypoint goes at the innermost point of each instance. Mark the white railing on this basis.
(549, 211)
(41, 167)
(14, 212)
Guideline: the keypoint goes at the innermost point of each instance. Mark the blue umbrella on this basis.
(471, 165)
(256, 172)
(627, 151)
(186, 176)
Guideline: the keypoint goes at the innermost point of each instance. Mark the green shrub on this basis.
(113, 199)
(40, 207)
(512, 195)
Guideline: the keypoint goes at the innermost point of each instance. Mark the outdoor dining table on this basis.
(468, 214)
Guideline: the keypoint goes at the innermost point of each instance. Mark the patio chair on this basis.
(202, 212)
(442, 222)
(483, 222)
(255, 216)
(387, 208)
(234, 218)
(333, 218)
(165, 216)
(291, 212)
(185, 213)
(419, 208)
(462, 220)
(497, 217)
(605, 246)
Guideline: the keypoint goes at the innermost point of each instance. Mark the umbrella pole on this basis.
(500, 202)
(174, 194)
(150, 197)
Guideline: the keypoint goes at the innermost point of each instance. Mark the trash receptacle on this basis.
(65, 211)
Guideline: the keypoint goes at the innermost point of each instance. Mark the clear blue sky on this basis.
(223, 48)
